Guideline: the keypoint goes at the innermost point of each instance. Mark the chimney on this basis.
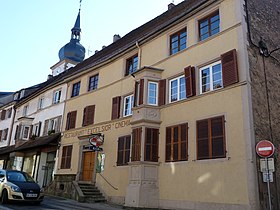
(170, 6)
(116, 37)
(49, 76)
(103, 47)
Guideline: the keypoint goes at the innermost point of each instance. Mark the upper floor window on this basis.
(5, 134)
(37, 129)
(25, 132)
(71, 120)
(25, 109)
(76, 89)
(3, 114)
(56, 96)
(131, 65)
(176, 143)
(177, 89)
(93, 82)
(178, 41)
(128, 104)
(211, 77)
(123, 150)
(152, 93)
(209, 26)
(41, 103)
(211, 138)
(9, 113)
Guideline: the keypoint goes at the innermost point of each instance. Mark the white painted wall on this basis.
(7, 123)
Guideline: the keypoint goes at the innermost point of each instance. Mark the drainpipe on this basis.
(139, 55)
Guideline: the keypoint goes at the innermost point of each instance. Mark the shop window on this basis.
(209, 26)
(123, 150)
(131, 65)
(76, 89)
(93, 83)
(71, 120)
(151, 144)
(127, 105)
(211, 141)
(88, 117)
(176, 143)
(66, 157)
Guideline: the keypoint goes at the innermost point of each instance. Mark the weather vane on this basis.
(80, 4)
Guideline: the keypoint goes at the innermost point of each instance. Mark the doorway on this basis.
(88, 165)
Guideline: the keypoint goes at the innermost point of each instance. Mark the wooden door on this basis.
(88, 166)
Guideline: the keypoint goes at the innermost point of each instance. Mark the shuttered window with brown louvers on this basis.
(88, 117)
(3, 114)
(190, 81)
(162, 92)
(141, 92)
(58, 124)
(66, 157)
(176, 143)
(211, 138)
(116, 106)
(151, 144)
(71, 120)
(123, 150)
(136, 144)
(229, 68)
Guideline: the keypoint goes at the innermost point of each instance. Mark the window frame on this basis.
(124, 150)
(76, 89)
(130, 62)
(24, 111)
(41, 103)
(25, 137)
(208, 18)
(210, 66)
(178, 35)
(156, 93)
(94, 82)
(131, 101)
(178, 89)
(56, 99)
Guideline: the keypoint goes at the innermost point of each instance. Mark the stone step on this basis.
(95, 200)
(92, 193)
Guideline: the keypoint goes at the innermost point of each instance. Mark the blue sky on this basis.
(32, 32)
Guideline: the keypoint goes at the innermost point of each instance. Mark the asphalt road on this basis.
(58, 203)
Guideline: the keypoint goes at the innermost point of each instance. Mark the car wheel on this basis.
(4, 198)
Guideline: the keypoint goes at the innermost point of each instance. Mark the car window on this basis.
(14, 176)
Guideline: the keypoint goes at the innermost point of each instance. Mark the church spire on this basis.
(76, 30)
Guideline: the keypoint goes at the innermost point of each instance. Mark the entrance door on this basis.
(88, 166)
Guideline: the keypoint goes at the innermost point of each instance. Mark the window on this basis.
(211, 77)
(40, 103)
(71, 120)
(136, 144)
(153, 93)
(177, 89)
(178, 41)
(131, 65)
(151, 144)
(128, 103)
(211, 138)
(37, 129)
(9, 113)
(76, 89)
(56, 96)
(25, 108)
(66, 157)
(176, 143)
(3, 114)
(88, 118)
(52, 125)
(5, 134)
(123, 150)
(1, 132)
(25, 132)
(93, 82)
(209, 26)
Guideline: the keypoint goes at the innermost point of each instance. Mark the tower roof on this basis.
(73, 50)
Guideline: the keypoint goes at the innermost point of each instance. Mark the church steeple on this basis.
(73, 50)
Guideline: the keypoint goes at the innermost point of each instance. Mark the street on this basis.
(58, 203)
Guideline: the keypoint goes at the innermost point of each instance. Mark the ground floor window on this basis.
(123, 150)
(66, 157)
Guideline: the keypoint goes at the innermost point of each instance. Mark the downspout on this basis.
(139, 55)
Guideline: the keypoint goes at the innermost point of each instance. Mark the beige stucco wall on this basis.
(215, 181)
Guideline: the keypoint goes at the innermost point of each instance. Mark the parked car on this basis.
(19, 186)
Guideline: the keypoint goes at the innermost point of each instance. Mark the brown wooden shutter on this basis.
(121, 146)
(46, 125)
(168, 155)
(162, 92)
(3, 114)
(68, 121)
(72, 122)
(190, 81)
(116, 106)
(184, 141)
(229, 68)
(155, 135)
(203, 146)
(151, 145)
(30, 131)
(68, 156)
(63, 157)
(58, 124)
(85, 116)
(136, 144)
(218, 137)
(1, 135)
(141, 91)
(90, 113)
(136, 86)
